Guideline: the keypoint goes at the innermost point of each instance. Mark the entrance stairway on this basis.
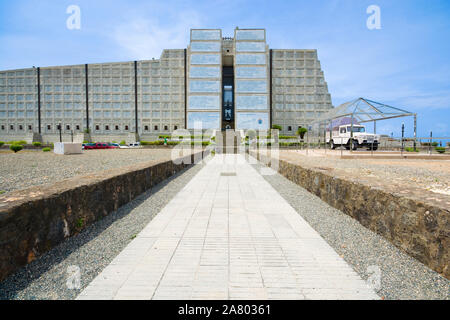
(228, 141)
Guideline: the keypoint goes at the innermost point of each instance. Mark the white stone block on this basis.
(67, 148)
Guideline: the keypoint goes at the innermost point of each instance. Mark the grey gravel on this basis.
(402, 277)
(33, 168)
(93, 249)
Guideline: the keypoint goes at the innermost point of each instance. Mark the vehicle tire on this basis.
(333, 146)
(375, 147)
(354, 145)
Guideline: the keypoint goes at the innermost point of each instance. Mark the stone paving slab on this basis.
(228, 237)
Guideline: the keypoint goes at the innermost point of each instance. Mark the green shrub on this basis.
(20, 142)
(47, 149)
(277, 127)
(203, 143)
(434, 144)
(52, 145)
(122, 143)
(16, 147)
(37, 144)
(409, 149)
(85, 141)
(440, 149)
(1, 143)
(80, 223)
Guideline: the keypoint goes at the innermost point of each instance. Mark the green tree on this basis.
(277, 127)
(301, 132)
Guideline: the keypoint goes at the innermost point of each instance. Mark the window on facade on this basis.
(146, 128)
(166, 128)
(117, 127)
(97, 127)
(11, 127)
(78, 127)
(289, 128)
(3, 127)
(205, 34)
(67, 127)
(251, 58)
(156, 127)
(106, 127)
(205, 59)
(175, 127)
(49, 127)
(250, 34)
(30, 127)
(126, 127)
(20, 127)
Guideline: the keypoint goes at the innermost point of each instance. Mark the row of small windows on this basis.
(289, 128)
(146, 128)
(19, 73)
(301, 106)
(97, 127)
(302, 98)
(18, 89)
(18, 81)
(296, 63)
(296, 54)
(296, 72)
(299, 81)
(21, 127)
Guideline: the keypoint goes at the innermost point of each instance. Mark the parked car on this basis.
(134, 145)
(99, 145)
(341, 136)
(87, 145)
(114, 145)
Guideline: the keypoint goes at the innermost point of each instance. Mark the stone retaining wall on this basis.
(34, 220)
(420, 229)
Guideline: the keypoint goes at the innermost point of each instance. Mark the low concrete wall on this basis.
(420, 229)
(34, 220)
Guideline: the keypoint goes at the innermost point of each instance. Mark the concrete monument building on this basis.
(215, 83)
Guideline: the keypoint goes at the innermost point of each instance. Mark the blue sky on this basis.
(405, 64)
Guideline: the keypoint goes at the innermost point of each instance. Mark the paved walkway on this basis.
(228, 235)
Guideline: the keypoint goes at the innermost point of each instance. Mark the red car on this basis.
(99, 146)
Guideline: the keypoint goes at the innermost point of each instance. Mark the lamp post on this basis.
(60, 133)
(403, 135)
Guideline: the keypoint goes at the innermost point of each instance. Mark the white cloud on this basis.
(145, 38)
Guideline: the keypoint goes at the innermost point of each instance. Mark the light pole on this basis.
(60, 134)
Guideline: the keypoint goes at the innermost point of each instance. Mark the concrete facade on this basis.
(217, 82)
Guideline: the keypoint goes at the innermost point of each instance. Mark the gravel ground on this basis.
(93, 249)
(402, 277)
(33, 168)
(431, 175)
